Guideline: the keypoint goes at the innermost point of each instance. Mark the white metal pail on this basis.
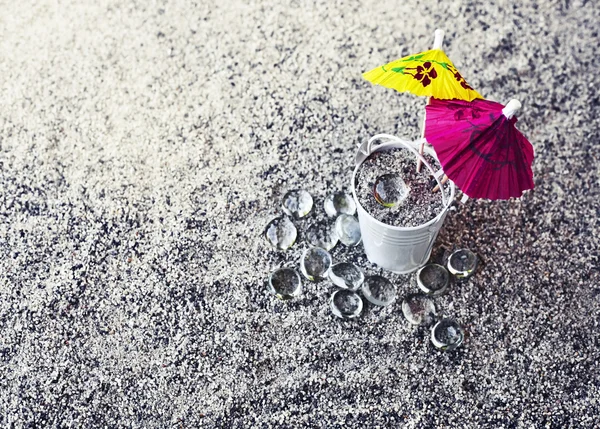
(398, 249)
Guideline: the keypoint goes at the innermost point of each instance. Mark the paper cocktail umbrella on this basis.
(480, 148)
(429, 73)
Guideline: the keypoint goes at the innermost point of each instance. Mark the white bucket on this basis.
(395, 248)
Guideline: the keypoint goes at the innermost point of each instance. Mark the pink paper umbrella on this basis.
(480, 148)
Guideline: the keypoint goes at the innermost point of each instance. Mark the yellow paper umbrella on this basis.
(429, 73)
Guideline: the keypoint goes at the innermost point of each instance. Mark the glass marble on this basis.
(346, 304)
(462, 263)
(339, 203)
(447, 335)
(379, 291)
(348, 230)
(390, 190)
(315, 263)
(285, 283)
(297, 203)
(322, 234)
(346, 276)
(433, 279)
(418, 309)
(281, 233)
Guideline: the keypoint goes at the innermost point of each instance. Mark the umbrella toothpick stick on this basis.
(443, 181)
(511, 108)
(437, 44)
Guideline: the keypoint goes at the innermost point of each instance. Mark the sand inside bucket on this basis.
(421, 204)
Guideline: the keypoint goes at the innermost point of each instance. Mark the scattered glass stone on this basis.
(297, 203)
(346, 304)
(390, 190)
(346, 276)
(462, 263)
(433, 279)
(447, 335)
(379, 290)
(348, 230)
(285, 283)
(339, 203)
(315, 263)
(322, 235)
(418, 309)
(281, 233)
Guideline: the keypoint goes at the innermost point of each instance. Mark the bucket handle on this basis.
(416, 144)
(367, 149)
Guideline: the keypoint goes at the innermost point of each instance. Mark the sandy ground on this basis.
(144, 146)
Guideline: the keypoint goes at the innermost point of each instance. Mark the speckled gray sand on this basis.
(421, 203)
(143, 148)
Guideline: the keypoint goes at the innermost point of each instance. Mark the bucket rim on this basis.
(394, 144)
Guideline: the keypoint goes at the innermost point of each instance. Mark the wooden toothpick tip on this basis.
(443, 181)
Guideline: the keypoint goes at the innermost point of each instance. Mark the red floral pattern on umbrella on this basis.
(459, 77)
(424, 74)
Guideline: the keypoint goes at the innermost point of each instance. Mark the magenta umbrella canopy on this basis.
(480, 148)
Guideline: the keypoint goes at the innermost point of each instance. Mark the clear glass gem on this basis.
(346, 304)
(285, 283)
(433, 279)
(390, 190)
(348, 230)
(315, 263)
(281, 233)
(346, 276)
(339, 203)
(297, 203)
(447, 334)
(379, 290)
(322, 235)
(462, 263)
(418, 309)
